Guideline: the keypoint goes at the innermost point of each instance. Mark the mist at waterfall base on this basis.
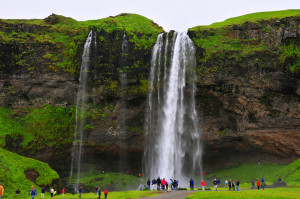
(173, 140)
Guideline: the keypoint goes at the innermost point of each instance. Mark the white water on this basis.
(123, 81)
(80, 111)
(174, 141)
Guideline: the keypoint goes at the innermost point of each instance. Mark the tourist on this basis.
(80, 191)
(203, 185)
(170, 186)
(226, 183)
(215, 184)
(229, 184)
(252, 182)
(233, 185)
(219, 182)
(18, 192)
(258, 184)
(192, 184)
(163, 184)
(148, 183)
(1, 190)
(263, 185)
(279, 179)
(105, 193)
(63, 192)
(52, 192)
(237, 185)
(99, 193)
(96, 190)
(176, 184)
(153, 184)
(158, 181)
(43, 192)
(262, 180)
(32, 192)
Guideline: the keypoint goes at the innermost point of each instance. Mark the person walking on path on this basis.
(237, 185)
(252, 182)
(99, 193)
(43, 192)
(32, 192)
(203, 185)
(52, 192)
(215, 184)
(63, 192)
(192, 184)
(80, 191)
(105, 193)
(163, 184)
(263, 185)
(1, 190)
(258, 184)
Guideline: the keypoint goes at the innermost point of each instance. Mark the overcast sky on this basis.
(170, 14)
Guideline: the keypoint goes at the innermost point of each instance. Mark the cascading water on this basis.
(80, 110)
(123, 81)
(174, 140)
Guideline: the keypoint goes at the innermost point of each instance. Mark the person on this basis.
(237, 185)
(80, 191)
(258, 184)
(1, 190)
(163, 184)
(176, 184)
(215, 184)
(63, 192)
(99, 193)
(96, 190)
(18, 192)
(170, 186)
(233, 185)
(203, 185)
(252, 182)
(192, 184)
(52, 192)
(262, 180)
(43, 192)
(229, 184)
(263, 185)
(32, 192)
(219, 182)
(105, 193)
(153, 184)
(279, 179)
(148, 183)
(158, 181)
(226, 183)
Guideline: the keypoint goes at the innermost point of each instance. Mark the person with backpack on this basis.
(215, 184)
(203, 185)
(32, 192)
(237, 185)
(105, 193)
(192, 184)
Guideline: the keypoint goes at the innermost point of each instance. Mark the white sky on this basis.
(170, 14)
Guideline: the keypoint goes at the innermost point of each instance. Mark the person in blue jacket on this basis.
(32, 192)
(262, 180)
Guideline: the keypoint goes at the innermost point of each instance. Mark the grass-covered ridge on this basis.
(12, 177)
(253, 17)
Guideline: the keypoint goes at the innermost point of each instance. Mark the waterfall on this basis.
(80, 110)
(123, 81)
(173, 148)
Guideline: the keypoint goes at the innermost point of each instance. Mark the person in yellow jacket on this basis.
(1, 190)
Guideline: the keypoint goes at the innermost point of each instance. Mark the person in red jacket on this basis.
(203, 185)
(63, 192)
(163, 183)
(258, 184)
(105, 193)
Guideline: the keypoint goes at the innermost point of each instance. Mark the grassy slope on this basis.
(12, 175)
(270, 172)
(267, 193)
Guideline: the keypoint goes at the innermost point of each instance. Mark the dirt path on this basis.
(173, 195)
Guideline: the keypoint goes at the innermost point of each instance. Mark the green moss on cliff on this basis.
(12, 177)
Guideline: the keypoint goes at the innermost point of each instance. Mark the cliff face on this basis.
(247, 98)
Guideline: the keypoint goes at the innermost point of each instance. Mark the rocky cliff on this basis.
(248, 91)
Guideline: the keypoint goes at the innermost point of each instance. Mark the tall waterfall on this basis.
(81, 110)
(174, 147)
(123, 81)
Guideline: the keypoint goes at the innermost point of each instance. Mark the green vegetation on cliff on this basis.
(12, 176)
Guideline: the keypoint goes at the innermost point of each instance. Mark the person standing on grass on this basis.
(105, 193)
(252, 182)
(96, 190)
(258, 184)
(43, 192)
(52, 192)
(1, 190)
(203, 185)
(226, 183)
(32, 192)
(80, 191)
(215, 184)
(233, 185)
(192, 184)
(63, 192)
(99, 193)
(263, 185)
(229, 184)
(237, 185)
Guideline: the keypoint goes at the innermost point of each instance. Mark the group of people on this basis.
(162, 184)
(98, 193)
(259, 184)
